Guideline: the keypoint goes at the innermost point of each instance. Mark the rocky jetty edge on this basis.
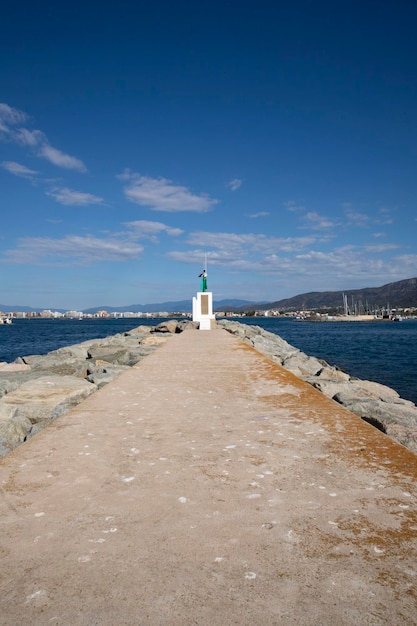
(36, 389)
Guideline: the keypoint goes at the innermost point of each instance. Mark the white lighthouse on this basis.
(203, 303)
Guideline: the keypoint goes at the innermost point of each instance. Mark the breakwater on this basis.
(376, 404)
(380, 351)
(36, 389)
(208, 485)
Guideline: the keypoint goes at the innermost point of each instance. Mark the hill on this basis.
(400, 294)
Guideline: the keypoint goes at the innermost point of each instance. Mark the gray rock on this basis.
(13, 380)
(357, 390)
(101, 375)
(13, 432)
(141, 330)
(47, 397)
(302, 365)
(329, 372)
(109, 353)
(6, 386)
(120, 354)
(60, 366)
(166, 327)
(187, 325)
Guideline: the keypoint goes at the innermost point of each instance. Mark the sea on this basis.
(381, 351)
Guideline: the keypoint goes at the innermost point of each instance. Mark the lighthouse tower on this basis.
(203, 304)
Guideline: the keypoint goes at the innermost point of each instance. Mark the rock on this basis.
(68, 361)
(48, 397)
(187, 325)
(14, 367)
(302, 365)
(166, 327)
(141, 330)
(385, 413)
(9, 381)
(329, 372)
(329, 388)
(109, 353)
(6, 386)
(365, 390)
(120, 354)
(12, 433)
(102, 374)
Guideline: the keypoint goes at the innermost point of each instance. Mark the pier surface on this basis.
(208, 486)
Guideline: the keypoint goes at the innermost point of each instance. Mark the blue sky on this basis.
(279, 139)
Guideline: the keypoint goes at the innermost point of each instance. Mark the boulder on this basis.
(166, 327)
(330, 372)
(109, 353)
(12, 433)
(141, 330)
(9, 381)
(14, 367)
(328, 387)
(47, 397)
(187, 325)
(302, 365)
(68, 361)
(370, 389)
(122, 354)
(102, 374)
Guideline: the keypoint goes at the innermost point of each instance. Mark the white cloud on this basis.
(297, 263)
(383, 247)
(31, 138)
(72, 250)
(160, 194)
(293, 207)
(239, 251)
(235, 244)
(259, 214)
(357, 219)
(56, 157)
(234, 184)
(69, 197)
(9, 117)
(34, 139)
(18, 170)
(144, 229)
(315, 221)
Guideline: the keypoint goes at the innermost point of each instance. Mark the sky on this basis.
(276, 140)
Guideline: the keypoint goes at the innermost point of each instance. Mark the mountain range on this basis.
(181, 306)
(400, 294)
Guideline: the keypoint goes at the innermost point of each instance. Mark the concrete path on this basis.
(208, 486)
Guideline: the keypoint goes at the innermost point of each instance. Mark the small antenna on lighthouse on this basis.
(205, 261)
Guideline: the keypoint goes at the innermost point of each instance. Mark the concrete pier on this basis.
(208, 486)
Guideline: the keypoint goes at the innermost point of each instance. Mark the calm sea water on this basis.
(39, 336)
(385, 352)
